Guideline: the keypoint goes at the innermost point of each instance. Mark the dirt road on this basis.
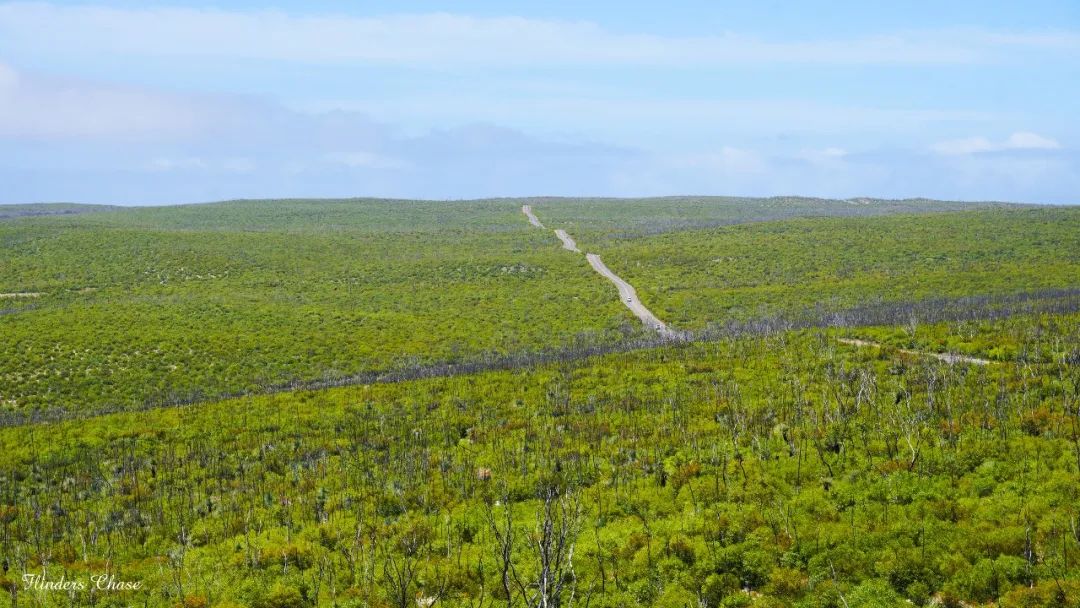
(535, 221)
(567, 242)
(629, 297)
(626, 291)
(946, 357)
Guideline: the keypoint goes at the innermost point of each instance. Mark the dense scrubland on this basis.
(598, 220)
(557, 455)
(36, 209)
(167, 304)
(780, 469)
(173, 304)
(696, 278)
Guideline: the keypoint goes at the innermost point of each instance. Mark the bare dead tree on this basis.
(1069, 374)
(558, 522)
(401, 573)
(504, 539)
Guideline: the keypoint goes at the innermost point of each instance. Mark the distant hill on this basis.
(189, 301)
(39, 209)
(613, 216)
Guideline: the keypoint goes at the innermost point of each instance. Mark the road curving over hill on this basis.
(628, 296)
(567, 242)
(627, 293)
(535, 221)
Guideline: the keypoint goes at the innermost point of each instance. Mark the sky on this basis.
(150, 102)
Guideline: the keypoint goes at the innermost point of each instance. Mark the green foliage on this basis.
(600, 221)
(696, 278)
(280, 596)
(181, 303)
(779, 468)
(764, 471)
(874, 593)
(178, 304)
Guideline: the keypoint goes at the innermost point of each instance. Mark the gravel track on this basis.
(567, 242)
(627, 293)
(535, 221)
(946, 357)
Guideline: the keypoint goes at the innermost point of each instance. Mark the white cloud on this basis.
(959, 147)
(176, 164)
(1012, 177)
(33, 107)
(892, 173)
(1030, 141)
(239, 165)
(49, 108)
(826, 157)
(9, 78)
(366, 160)
(1021, 140)
(198, 163)
(623, 119)
(727, 159)
(442, 39)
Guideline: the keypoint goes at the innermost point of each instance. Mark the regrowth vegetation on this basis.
(173, 304)
(775, 470)
(156, 305)
(820, 442)
(693, 279)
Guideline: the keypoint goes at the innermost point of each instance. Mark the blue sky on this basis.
(160, 102)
